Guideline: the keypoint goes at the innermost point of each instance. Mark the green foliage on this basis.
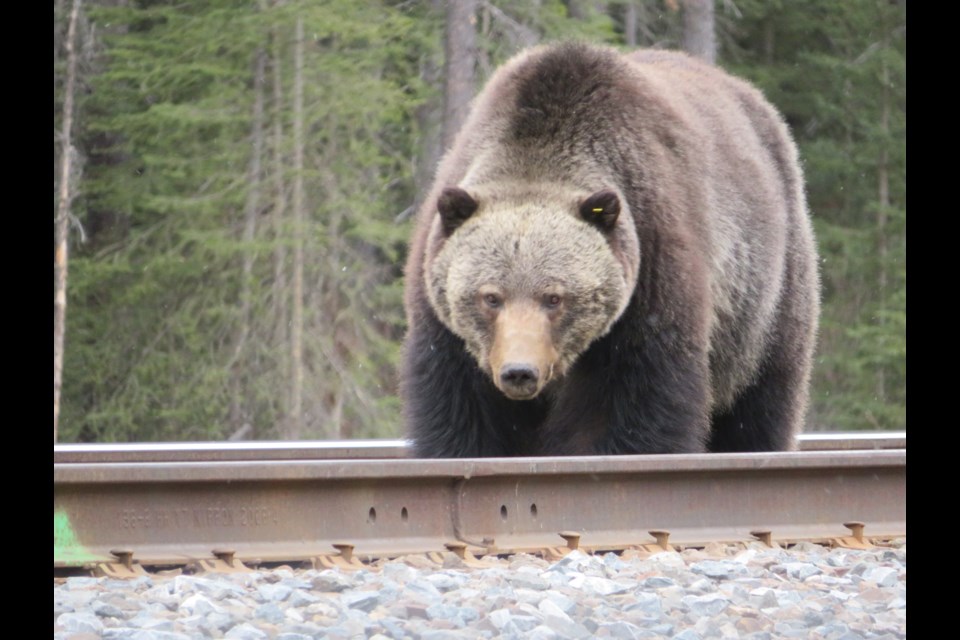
(161, 346)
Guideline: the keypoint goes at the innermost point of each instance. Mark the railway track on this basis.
(118, 508)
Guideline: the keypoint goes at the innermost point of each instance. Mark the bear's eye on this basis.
(552, 300)
(492, 300)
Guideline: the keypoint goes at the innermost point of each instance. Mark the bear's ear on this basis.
(601, 209)
(455, 206)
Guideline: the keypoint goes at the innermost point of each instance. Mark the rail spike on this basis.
(854, 541)
(343, 559)
(125, 569)
(223, 561)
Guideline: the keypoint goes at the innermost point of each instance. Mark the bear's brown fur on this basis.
(615, 257)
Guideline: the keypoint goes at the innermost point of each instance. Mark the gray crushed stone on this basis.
(732, 592)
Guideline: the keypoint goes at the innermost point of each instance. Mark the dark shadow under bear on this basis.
(615, 257)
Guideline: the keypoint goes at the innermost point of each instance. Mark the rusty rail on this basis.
(371, 449)
(285, 510)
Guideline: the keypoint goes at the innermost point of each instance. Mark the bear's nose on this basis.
(519, 380)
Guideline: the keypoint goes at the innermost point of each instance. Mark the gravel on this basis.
(732, 592)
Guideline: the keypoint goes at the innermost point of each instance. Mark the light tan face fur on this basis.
(528, 287)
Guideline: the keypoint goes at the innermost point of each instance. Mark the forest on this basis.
(234, 183)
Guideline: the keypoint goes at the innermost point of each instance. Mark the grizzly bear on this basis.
(615, 258)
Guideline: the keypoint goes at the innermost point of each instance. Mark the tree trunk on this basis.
(699, 38)
(253, 197)
(883, 204)
(429, 122)
(768, 40)
(630, 24)
(575, 10)
(62, 221)
(461, 58)
(279, 204)
(295, 421)
(237, 414)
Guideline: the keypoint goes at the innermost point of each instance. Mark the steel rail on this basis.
(281, 510)
(371, 449)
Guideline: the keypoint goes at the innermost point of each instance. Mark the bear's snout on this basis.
(523, 356)
(519, 381)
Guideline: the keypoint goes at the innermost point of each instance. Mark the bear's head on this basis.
(529, 280)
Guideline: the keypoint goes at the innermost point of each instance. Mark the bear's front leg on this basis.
(660, 396)
(451, 408)
(643, 388)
